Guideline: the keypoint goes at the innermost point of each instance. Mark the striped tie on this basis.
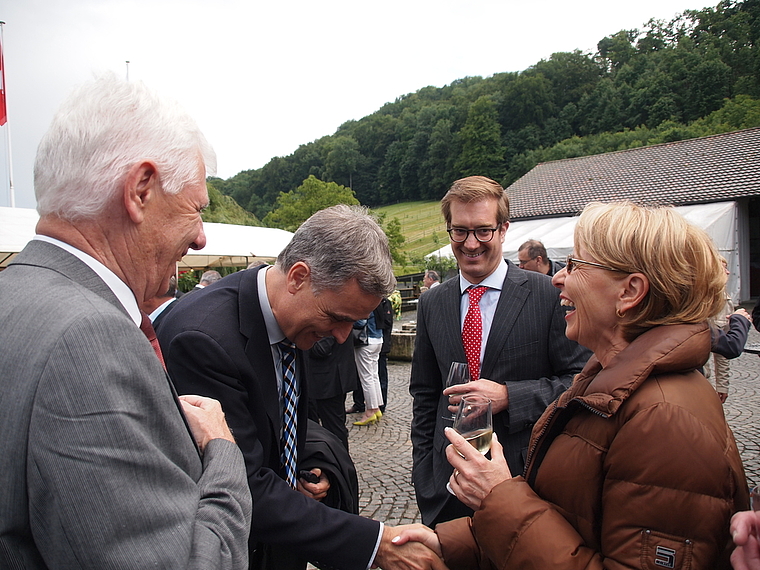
(290, 407)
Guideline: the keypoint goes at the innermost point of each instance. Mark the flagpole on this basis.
(7, 124)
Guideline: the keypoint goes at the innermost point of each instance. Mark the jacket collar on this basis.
(663, 349)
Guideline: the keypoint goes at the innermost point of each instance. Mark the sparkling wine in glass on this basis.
(474, 422)
(459, 373)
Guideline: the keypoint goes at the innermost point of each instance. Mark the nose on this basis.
(342, 331)
(471, 241)
(200, 239)
(558, 279)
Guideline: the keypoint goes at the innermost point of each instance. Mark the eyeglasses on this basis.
(571, 261)
(520, 262)
(483, 235)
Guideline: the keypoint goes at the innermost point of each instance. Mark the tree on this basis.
(482, 153)
(396, 239)
(295, 207)
(224, 210)
(343, 159)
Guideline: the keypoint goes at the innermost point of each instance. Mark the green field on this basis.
(421, 224)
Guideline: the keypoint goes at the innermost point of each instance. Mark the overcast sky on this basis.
(261, 78)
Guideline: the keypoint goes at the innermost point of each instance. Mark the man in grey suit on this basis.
(102, 465)
(521, 358)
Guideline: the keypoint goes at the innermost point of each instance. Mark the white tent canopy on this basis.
(226, 244)
(717, 219)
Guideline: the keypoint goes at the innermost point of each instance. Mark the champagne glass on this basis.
(474, 421)
(459, 373)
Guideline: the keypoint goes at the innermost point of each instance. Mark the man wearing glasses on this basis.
(532, 257)
(506, 323)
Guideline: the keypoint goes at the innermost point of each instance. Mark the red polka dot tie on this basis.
(472, 332)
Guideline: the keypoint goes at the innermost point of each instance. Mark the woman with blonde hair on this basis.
(634, 466)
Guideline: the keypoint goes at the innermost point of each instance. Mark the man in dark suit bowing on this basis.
(234, 341)
(506, 323)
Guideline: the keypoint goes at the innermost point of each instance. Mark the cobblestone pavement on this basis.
(383, 452)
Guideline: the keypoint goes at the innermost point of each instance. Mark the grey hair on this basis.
(211, 276)
(103, 129)
(342, 243)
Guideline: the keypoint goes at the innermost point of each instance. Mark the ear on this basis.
(503, 231)
(140, 187)
(635, 288)
(298, 277)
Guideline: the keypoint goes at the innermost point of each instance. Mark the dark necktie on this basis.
(472, 332)
(290, 408)
(147, 328)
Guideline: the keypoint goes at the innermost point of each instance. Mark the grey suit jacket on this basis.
(526, 349)
(98, 467)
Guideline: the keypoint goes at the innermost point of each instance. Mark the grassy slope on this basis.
(421, 224)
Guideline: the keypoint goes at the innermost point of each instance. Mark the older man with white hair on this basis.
(102, 465)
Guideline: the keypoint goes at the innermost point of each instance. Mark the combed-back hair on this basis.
(476, 189)
(341, 243)
(103, 129)
(686, 278)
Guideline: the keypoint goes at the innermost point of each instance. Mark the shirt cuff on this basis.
(377, 546)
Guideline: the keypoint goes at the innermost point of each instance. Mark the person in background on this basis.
(102, 465)
(367, 357)
(506, 323)
(384, 320)
(331, 372)
(431, 279)
(158, 307)
(624, 462)
(722, 368)
(730, 329)
(756, 316)
(243, 341)
(208, 277)
(532, 257)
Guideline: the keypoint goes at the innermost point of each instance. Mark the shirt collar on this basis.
(274, 332)
(493, 281)
(122, 291)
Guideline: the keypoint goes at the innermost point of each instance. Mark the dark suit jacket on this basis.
(527, 350)
(215, 344)
(331, 368)
(162, 314)
(98, 467)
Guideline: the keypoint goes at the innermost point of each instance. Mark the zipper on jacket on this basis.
(556, 426)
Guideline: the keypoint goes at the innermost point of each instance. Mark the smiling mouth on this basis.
(472, 255)
(567, 304)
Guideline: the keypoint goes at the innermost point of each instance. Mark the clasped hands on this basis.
(473, 479)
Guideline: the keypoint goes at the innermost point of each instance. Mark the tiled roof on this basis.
(708, 169)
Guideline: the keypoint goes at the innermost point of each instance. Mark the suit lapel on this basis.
(511, 301)
(450, 322)
(257, 349)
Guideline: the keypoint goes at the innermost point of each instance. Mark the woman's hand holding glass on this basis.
(474, 476)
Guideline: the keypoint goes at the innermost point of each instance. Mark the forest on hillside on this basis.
(696, 75)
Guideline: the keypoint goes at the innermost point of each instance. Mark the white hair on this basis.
(103, 129)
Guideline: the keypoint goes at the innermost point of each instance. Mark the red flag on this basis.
(3, 109)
